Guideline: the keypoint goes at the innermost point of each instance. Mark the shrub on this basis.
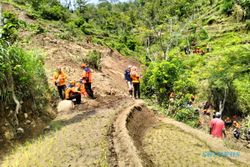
(227, 6)
(245, 4)
(36, 4)
(238, 13)
(203, 34)
(54, 13)
(79, 22)
(248, 25)
(21, 2)
(22, 74)
(243, 93)
(39, 30)
(188, 116)
(247, 122)
(159, 80)
(10, 27)
(65, 35)
(93, 59)
(87, 29)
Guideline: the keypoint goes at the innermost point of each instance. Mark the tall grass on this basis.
(23, 86)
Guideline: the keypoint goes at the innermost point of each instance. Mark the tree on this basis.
(81, 5)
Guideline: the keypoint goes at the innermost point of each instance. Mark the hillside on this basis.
(188, 52)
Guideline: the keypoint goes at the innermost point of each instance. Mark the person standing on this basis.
(59, 81)
(217, 126)
(136, 82)
(87, 80)
(128, 80)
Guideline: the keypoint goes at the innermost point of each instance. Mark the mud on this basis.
(122, 144)
(138, 122)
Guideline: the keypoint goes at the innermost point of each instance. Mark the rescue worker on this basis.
(217, 126)
(206, 105)
(187, 50)
(59, 81)
(236, 131)
(87, 80)
(191, 101)
(73, 93)
(136, 82)
(171, 97)
(128, 80)
(228, 122)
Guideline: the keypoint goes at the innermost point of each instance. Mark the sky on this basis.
(89, 1)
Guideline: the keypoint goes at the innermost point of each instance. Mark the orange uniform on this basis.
(71, 91)
(87, 76)
(236, 124)
(59, 78)
(135, 77)
(83, 90)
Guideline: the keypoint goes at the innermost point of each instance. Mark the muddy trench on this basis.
(138, 122)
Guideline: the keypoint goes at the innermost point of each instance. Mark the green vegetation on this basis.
(23, 83)
(93, 59)
(10, 26)
(187, 115)
(157, 33)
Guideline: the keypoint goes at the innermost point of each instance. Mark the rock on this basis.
(53, 41)
(65, 106)
(11, 112)
(25, 115)
(9, 135)
(47, 128)
(20, 130)
(248, 146)
(28, 122)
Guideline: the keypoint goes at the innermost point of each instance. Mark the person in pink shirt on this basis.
(217, 126)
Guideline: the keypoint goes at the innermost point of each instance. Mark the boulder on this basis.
(65, 106)
(20, 130)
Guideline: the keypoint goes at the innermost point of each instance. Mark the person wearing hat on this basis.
(73, 92)
(128, 80)
(59, 79)
(217, 126)
(87, 80)
(228, 122)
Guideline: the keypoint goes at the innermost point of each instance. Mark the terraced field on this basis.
(167, 145)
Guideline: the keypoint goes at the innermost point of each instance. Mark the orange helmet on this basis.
(83, 65)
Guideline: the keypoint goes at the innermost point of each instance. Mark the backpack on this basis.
(127, 75)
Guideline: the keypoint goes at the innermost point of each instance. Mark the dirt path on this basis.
(81, 139)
